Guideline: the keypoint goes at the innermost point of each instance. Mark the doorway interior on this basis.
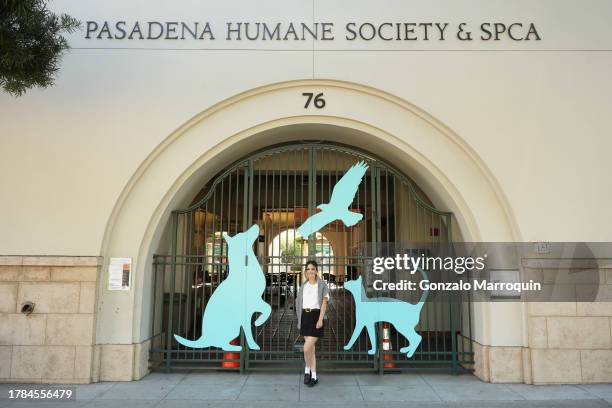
(277, 189)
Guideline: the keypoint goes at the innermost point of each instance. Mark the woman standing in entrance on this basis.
(310, 306)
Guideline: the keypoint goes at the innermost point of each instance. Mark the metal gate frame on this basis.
(167, 354)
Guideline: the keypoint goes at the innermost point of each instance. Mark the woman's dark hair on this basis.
(313, 263)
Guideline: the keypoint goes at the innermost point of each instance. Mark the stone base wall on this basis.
(121, 362)
(56, 342)
(501, 364)
(569, 343)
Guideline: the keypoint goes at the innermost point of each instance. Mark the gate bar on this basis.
(170, 312)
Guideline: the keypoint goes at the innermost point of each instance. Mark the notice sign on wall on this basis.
(119, 271)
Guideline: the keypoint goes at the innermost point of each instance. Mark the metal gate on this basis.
(278, 188)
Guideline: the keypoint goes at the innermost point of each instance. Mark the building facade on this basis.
(165, 118)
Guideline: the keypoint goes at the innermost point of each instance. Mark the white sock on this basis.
(306, 370)
(313, 375)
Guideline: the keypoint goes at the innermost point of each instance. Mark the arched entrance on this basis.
(277, 188)
(443, 164)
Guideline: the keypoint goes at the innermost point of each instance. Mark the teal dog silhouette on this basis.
(402, 315)
(236, 299)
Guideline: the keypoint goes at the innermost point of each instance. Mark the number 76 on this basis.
(318, 101)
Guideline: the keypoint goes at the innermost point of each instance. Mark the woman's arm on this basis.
(322, 313)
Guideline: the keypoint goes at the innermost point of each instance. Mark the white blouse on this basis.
(310, 298)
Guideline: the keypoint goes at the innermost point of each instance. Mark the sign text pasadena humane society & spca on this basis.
(323, 31)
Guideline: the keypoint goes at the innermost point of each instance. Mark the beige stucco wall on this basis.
(511, 137)
(533, 117)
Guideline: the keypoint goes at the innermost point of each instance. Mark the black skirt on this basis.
(308, 325)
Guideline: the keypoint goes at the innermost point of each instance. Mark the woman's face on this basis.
(311, 272)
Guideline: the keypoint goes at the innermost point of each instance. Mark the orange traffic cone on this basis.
(387, 347)
(231, 356)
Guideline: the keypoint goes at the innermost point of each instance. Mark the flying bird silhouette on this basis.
(337, 208)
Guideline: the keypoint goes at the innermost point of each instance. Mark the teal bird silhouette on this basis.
(337, 208)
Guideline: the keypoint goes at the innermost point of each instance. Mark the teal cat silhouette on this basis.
(236, 299)
(402, 315)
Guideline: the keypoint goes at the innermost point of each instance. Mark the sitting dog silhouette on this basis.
(402, 315)
(236, 299)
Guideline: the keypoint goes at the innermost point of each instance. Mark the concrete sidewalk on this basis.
(270, 390)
